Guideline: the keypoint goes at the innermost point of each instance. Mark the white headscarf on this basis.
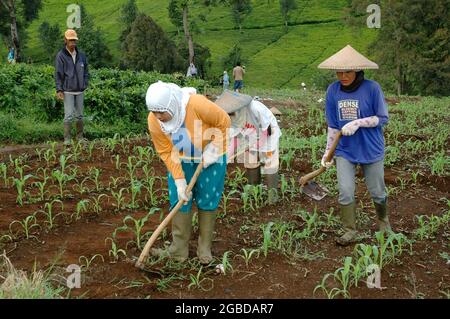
(169, 97)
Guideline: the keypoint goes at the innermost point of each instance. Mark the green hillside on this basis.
(273, 58)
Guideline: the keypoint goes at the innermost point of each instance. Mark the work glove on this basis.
(327, 165)
(210, 155)
(181, 190)
(351, 127)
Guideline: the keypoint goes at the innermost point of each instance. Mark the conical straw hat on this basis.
(275, 111)
(233, 101)
(348, 59)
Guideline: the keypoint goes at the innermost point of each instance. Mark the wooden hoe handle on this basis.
(305, 179)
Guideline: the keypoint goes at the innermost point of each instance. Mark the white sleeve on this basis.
(262, 114)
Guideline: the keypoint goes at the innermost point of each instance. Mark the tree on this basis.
(240, 9)
(412, 46)
(92, 42)
(285, 7)
(202, 58)
(128, 14)
(19, 14)
(149, 48)
(234, 56)
(175, 14)
(50, 37)
(180, 9)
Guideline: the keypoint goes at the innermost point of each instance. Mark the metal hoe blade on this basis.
(314, 190)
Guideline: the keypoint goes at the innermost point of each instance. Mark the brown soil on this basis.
(275, 276)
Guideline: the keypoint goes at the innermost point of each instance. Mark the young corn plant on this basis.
(198, 282)
(20, 186)
(82, 207)
(96, 203)
(62, 179)
(119, 198)
(4, 173)
(225, 199)
(26, 225)
(226, 262)
(135, 190)
(267, 237)
(49, 214)
(247, 255)
(81, 188)
(94, 175)
(49, 157)
(115, 252)
(136, 226)
(85, 262)
(115, 181)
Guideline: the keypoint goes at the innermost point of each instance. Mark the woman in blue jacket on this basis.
(356, 107)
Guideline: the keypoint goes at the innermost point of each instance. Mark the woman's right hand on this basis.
(60, 95)
(327, 165)
(181, 190)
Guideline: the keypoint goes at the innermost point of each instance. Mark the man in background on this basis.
(71, 77)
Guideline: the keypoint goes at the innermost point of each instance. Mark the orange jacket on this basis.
(203, 119)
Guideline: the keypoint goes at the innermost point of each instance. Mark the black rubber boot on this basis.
(253, 176)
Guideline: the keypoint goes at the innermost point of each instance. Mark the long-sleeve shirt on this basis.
(238, 73)
(205, 122)
(367, 144)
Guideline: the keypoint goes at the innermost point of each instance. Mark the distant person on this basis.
(71, 77)
(11, 57)
(226, 81)
(192, 70)
(238, 76)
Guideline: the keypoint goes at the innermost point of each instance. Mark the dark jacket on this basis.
(69, 76)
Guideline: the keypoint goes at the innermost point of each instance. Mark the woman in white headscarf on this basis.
(186, 129)
(356, 107)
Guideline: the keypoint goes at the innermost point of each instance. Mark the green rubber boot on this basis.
(348, 218)
(80, 127)
(254, 176)
(206, 223)
(67, 133)
(383, 218)
(181, 234)
(272, 187)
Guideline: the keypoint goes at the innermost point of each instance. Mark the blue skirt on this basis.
(208, 189)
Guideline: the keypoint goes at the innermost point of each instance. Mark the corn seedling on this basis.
(114, 182)
(226, 262)
(414, 176)
(49, 157)
(117, 161)
(26, 225)
(20, 185)
(41, 188)
(225, 199)
(81, 188)
(331, 294)
(198, 282)
(96, 204)
(48, 212)
(136, 228)
(267, 237)
(115, 252)
(247, 255)
(85, 262)
(135, 190)
(163, 284)
(119, 198)
(62, 179)
(94, 176)
(81, 207)
(4, 173)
